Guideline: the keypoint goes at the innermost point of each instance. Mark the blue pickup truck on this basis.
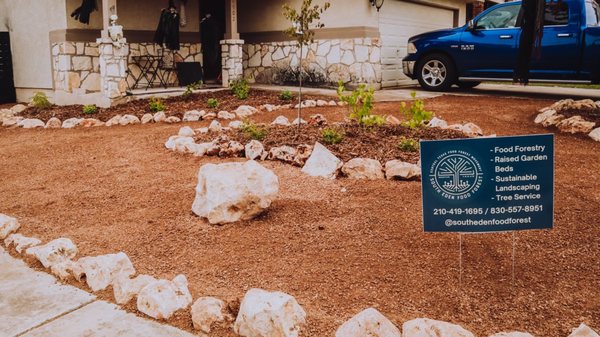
(486, 48)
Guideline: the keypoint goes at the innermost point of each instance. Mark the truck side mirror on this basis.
(471, 25)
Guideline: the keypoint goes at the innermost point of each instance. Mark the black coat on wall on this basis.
(167, 32)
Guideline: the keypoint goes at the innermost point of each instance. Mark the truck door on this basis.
(561, 49)
(489, 49)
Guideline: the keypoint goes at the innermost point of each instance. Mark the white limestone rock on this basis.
(129, 119)
(332, 103)
(186, 131)
(321, 103)
(512, 334)
(254, 150)
(114, 120)
(11, 121)
(207, 311)
(424, 327)
(125, 288)
(202, 130)
(192, 116)
(363, 168)
(283, 153)
(235, 124)
(53, 123)
(544, 115)
(225, 115)
(181, 144)
(8, 225)
(62, 269)
(303, 152)
(575, 124)
(281, 120)
(231, 149)
(369, 322)
(317, 119)
(101, 271)
(584, 331)
(322, 163)
(245, 111)
(147, 118)
(17, 109)
(270, 107)
(595, 134)
(215, 126)
(172, 120)
(71, 123)
(234, 191)
(269, 314)
(20, 242)
(162, 298)
(160, 117)
(90, 122)
(472, 130)
(437, 123)
(397, 169)
(209, 116)
(55, 251)
(31, 123)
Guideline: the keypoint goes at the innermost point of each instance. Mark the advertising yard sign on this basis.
(488, 184)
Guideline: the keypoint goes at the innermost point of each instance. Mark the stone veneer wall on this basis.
(76, 65)
(349, 60)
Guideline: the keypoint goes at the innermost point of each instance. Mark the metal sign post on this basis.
(483, 185)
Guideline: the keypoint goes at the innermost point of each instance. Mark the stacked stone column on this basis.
(232, 60)
(113, 69)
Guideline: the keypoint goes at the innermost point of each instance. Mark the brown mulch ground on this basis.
(118, 189)
(381, 143)
(175, 106)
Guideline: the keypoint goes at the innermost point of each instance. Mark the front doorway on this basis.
(7, 84)
(212, 31)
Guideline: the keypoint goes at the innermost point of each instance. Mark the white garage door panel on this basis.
(397, 23)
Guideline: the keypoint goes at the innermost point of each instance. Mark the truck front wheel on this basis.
(436, 73)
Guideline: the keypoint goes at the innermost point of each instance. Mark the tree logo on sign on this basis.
(456, 175)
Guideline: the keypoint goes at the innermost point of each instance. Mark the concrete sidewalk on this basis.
(32, 304)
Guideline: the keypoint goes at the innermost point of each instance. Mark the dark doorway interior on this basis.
(212, 31)
(7, 84)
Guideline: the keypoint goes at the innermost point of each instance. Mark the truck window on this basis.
(503, 17)
(592, 12)
(557, 14)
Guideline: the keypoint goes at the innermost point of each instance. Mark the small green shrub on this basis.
(240, 89)
(253, 131)
(212, 103)
(40, 101)
(286, 95)
(416, 113)
(157, 105)
(89, 109)
(189, 89)
(408, 145)
(360, 103)
(332, 135)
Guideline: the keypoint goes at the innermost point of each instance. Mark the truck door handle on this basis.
(504, 37)
(563, 35)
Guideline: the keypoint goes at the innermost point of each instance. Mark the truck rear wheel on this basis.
(436, 73)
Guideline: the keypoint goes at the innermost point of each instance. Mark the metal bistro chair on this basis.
(167, 67)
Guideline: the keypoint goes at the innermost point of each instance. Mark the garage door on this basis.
(398, 21)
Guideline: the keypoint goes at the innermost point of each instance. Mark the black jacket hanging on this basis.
(531, 21)
(82, 13)
(167, 32)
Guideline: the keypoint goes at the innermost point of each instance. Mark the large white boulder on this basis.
(53, 123)
(512, 334)
(20, 242)
(397, 169)
(322, 163)
(91, 122)
(160, 299)
(129, 119)
(225, 115)
(8, 225)
(234, 191)
(368, 323)
(363, 168)
(283, 153)
(269, 314)
(31, 123)
(207, 311)
(63, 270)
(583, 331)
(53, 252)
(575, 124)
(215, 126)
(17, 109)
(187, 131)
(425, 327)
(113, 120)
(281, 120)
(160, 117)
(192, 116)
(595, 134)
(472, 130)
(254, 150)
(125, 288)
(11, 121)
(71, 123)
(235, 124)
(101, 271)
(147, 118)
(245, 111)
(437, 123)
